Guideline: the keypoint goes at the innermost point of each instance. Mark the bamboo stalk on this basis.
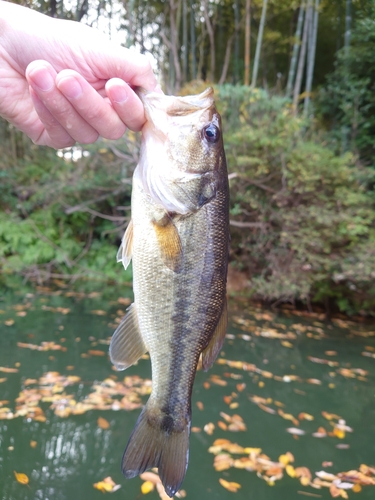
(247, 42)
(302, 57)
(259, 44)
(311, 58)
(296, 46)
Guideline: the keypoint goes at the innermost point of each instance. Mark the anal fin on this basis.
(127, 345)
(125, 251)
(216, 343)
(169, 242)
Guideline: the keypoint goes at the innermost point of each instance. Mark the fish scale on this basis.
(178, 240)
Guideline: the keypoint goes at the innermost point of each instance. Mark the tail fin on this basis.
(152, 446)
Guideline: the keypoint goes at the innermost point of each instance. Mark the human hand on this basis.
(63, 82)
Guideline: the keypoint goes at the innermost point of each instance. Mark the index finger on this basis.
(131, 67)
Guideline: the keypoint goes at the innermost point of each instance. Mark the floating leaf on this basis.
(209, 428)
(147, 487)
(21, 478)
(286, 458)
(230, 486)
(295, 431)
(96, 352)
(103, 423)
(98, 312)
(290, 470)
(107, 485)
(8, 370)
(305, 416)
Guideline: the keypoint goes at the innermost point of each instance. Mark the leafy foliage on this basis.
(303, 220)
(64, 216)
(347, 102)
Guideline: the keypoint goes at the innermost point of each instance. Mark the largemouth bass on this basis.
(178, 239)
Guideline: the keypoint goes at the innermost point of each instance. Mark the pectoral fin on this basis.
(125, 251)
(216, 343)
(127, 345)
(169, 242)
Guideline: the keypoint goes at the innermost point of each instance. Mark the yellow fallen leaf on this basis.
(289, 469)
(285, 343)
(305, 481)
(339, 433)
(234, 405)
(286, 458)
(103, 486)
(107, 485)
(330, 416)
(9, 322)
(21, 478)
(103, 423)
(230, 486)
(305, 416)
(147, 487)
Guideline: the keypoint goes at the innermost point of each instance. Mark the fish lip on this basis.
(175, 105)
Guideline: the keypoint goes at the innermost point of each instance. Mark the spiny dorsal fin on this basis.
(169, 242)
(127, 345)
(125, 251)
(216, 343)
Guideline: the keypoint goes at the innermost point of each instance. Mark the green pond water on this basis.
(69, 454)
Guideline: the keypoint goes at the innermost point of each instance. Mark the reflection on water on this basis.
(272, 371)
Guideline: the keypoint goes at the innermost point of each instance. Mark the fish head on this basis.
(181, 151)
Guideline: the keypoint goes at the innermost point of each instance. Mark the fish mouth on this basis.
(174, 105)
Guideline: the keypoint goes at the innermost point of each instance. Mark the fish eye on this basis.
(211, 133)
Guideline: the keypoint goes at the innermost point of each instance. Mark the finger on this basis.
(123, 63)
(52, 134)
(41, 78)
(95, 110)
(126, 103)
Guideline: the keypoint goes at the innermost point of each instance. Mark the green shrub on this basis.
(304, 222)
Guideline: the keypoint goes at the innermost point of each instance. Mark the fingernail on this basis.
(119, 94)
(70, 87)
(42, 79)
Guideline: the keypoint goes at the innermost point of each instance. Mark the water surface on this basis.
(63, 456)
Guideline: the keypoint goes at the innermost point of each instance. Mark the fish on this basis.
(178, 241)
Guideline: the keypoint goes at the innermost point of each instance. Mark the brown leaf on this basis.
(103, 423)
(96, 352)
(8, 370)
